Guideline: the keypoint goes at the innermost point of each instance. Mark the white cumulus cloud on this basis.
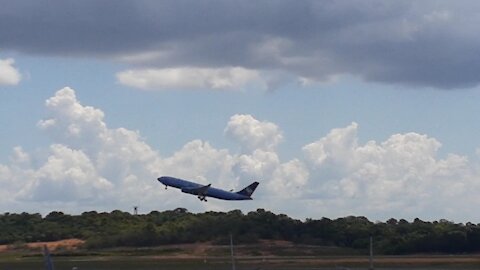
(402, 176)
(190, 78)
(67, 175)
(290, 179)
(71, 120)
(199, 160)
(252, 133)
(117, 155)
(9, 75)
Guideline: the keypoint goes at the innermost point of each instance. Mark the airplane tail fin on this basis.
(248, 191)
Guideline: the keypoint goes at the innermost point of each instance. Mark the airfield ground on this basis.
(266, 255)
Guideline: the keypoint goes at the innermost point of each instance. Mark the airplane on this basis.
(203, 191)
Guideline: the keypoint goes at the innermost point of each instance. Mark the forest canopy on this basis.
(117, 228)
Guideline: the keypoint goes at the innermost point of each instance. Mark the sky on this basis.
(366, 108)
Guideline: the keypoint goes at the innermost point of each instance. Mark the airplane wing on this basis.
(198, 191)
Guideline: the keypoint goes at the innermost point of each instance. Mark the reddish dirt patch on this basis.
(69, 244)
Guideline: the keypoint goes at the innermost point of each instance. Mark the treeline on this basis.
(103, 230)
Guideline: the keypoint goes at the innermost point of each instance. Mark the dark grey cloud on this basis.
(420, 43)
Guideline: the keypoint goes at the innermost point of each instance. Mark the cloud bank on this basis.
(93, 166)
(425, 44)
